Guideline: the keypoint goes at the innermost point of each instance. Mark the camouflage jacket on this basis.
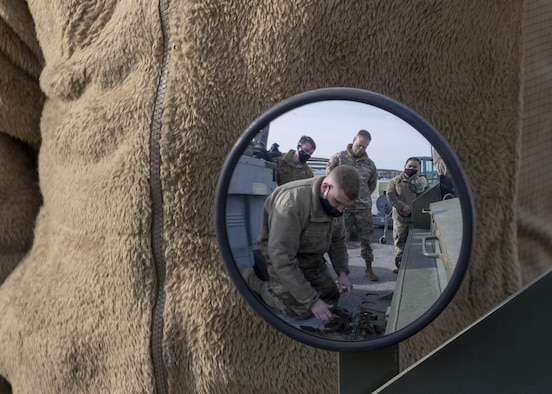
(400, 195)
(296, 232)
(289, 171)
(366, 168)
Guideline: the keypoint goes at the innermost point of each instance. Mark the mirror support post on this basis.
(364, 372)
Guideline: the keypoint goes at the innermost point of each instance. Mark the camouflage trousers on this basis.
(275, 295)
(359, 217)
(400, 234)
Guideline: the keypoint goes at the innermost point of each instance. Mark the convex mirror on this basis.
(436, 254)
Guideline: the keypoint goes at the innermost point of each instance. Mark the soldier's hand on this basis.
(321, 310)
(344, 284)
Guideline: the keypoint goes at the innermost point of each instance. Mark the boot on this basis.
(369, 273)
(397, 264)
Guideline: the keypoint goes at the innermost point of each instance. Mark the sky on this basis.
(334, 124)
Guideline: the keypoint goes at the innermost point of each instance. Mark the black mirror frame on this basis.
(454, 168)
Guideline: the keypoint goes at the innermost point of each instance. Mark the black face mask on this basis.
(303, 157)
(410, 172)
(331, 211)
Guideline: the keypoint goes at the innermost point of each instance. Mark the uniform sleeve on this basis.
(439, 163)
(373, 181)
(332, 163)
(21, 104)
(393, 196)
(283, 244)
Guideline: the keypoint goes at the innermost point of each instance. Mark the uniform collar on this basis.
(318, 214)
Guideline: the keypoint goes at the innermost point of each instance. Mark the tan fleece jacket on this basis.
(134, 104)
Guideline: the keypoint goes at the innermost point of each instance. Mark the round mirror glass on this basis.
(331, 264)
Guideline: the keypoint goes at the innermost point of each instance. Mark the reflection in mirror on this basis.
(393, 283)
(374, 307)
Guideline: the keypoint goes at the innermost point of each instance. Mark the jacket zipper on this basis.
(157, 323)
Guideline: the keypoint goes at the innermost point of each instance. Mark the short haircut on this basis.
(306, 139)
(347, 179)
(364, 133)
(412, 159)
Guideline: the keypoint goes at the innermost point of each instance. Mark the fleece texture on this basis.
(534, 201)
(79, 82)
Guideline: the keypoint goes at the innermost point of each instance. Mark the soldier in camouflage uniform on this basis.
(359, 214)
(401, 196)
(302, 222)
(293, 165)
